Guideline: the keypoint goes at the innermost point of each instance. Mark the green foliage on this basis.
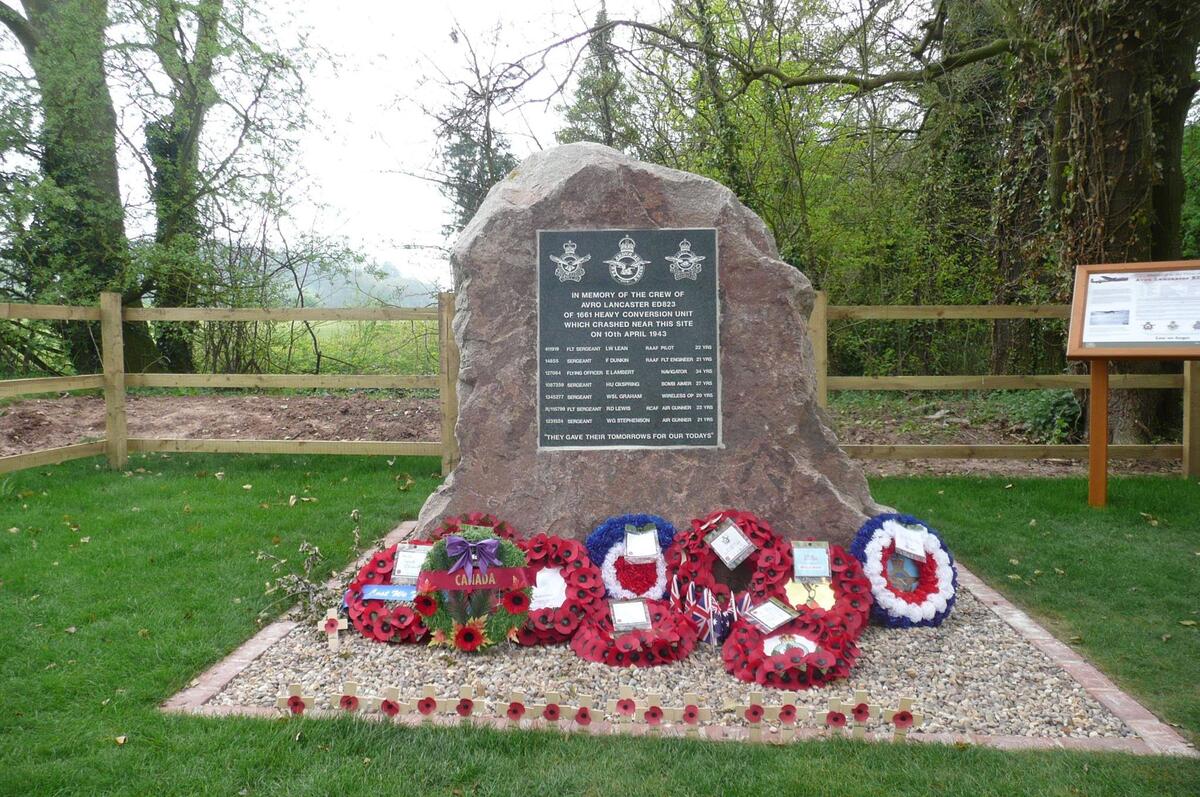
(1191, 194)
(603, 103)
(1046, 416)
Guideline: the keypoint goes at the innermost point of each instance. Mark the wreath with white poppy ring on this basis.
(929, 588)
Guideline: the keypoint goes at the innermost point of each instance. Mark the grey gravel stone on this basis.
(973, 674)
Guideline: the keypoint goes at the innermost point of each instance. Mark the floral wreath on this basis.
(851, 591)
(453, 525)
(923, 593)
(476, 620)
(836, 652)
(671, 638)
(550, 625)
(691, 558)
(374, 619)
(622, 579)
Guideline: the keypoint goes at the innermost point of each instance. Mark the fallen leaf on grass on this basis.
(1075, 640)
(1015, 576)
(1151, 519)
(71, 629)
(85, 540)
(1060, 571)
(1166, 637)
(1014, 561)
(15, 530)
(247, 486)
(219, 475)
(1008, 486)
(120, 740)
(1187, 623)
(144, 633)
(404, 482)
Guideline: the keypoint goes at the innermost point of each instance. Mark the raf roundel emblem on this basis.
(569, 267)
(627, 267)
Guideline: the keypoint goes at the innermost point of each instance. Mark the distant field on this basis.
(348, 347)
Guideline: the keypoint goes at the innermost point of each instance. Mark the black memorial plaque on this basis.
(628, 352)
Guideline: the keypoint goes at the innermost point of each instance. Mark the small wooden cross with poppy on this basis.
(514, 709)
(552, 710)
(350, 699)
(466, 706)
(428, 707)
(690, 715)
(583, 711)
(788, 712)
(653, 715)
(753, 712)
(903, 719)
(294, 701)
(330, 625)
(390, 704)
(835, 716)
(861, 712)
(623, 708)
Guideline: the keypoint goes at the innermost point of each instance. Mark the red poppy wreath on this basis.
(671, 637)
(566, 589)
(380, 620)
(810, 650)
(692, 560)
(847, 597)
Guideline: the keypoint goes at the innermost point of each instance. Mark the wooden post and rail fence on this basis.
(117, 444)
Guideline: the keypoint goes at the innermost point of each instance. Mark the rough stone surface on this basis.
(780, 458)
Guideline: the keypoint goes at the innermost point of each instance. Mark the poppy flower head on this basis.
(295, 704)
(331, 625)
(903, 720)
(583, 716)
(469, 637)
(754, 713)
(465, 706)
(516, 601)
(861, 712)
(515, 711)
(426, 705)
(653, 715)
(348, 703)
(835, 719)
(551, 712)
(691, 714)
(626, 707)
(390, 708)
(787, 714)
(425, 604)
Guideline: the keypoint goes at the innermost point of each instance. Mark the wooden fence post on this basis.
(448, 380)
(818, 333)
(1191, 419)
(112, 343)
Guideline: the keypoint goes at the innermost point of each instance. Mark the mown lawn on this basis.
(96, 633)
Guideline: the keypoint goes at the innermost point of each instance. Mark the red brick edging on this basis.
(1153, 736)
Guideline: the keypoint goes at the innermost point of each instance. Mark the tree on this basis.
(600, 109)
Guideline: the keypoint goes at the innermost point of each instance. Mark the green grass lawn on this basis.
(96, 633)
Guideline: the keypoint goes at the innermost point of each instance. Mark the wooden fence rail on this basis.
(114, 381)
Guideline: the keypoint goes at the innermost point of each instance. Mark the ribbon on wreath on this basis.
(468, 555)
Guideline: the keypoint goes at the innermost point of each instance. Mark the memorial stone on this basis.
(630, 341)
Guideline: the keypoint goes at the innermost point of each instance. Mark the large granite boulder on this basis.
(780, 459)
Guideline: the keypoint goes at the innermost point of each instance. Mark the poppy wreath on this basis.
(375, 619)
(691, 559)
(836, 652)
(671, 637)
(851, 591)
(626, 580)
(453, 525)
(584, 589)
(475, 620)
(920, 594)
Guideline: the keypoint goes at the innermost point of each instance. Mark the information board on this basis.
(628, 349)
(1136, 310)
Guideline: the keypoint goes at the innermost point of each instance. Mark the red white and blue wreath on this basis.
(907, 591)
(627, 580)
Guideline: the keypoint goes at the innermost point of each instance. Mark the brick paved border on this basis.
(1153, 736)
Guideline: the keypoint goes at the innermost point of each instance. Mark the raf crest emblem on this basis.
(627, 267)
(569, 267)
(685, 264)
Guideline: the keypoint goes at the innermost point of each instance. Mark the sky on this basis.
(373, 132)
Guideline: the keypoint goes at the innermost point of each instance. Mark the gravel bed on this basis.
(974, 674)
